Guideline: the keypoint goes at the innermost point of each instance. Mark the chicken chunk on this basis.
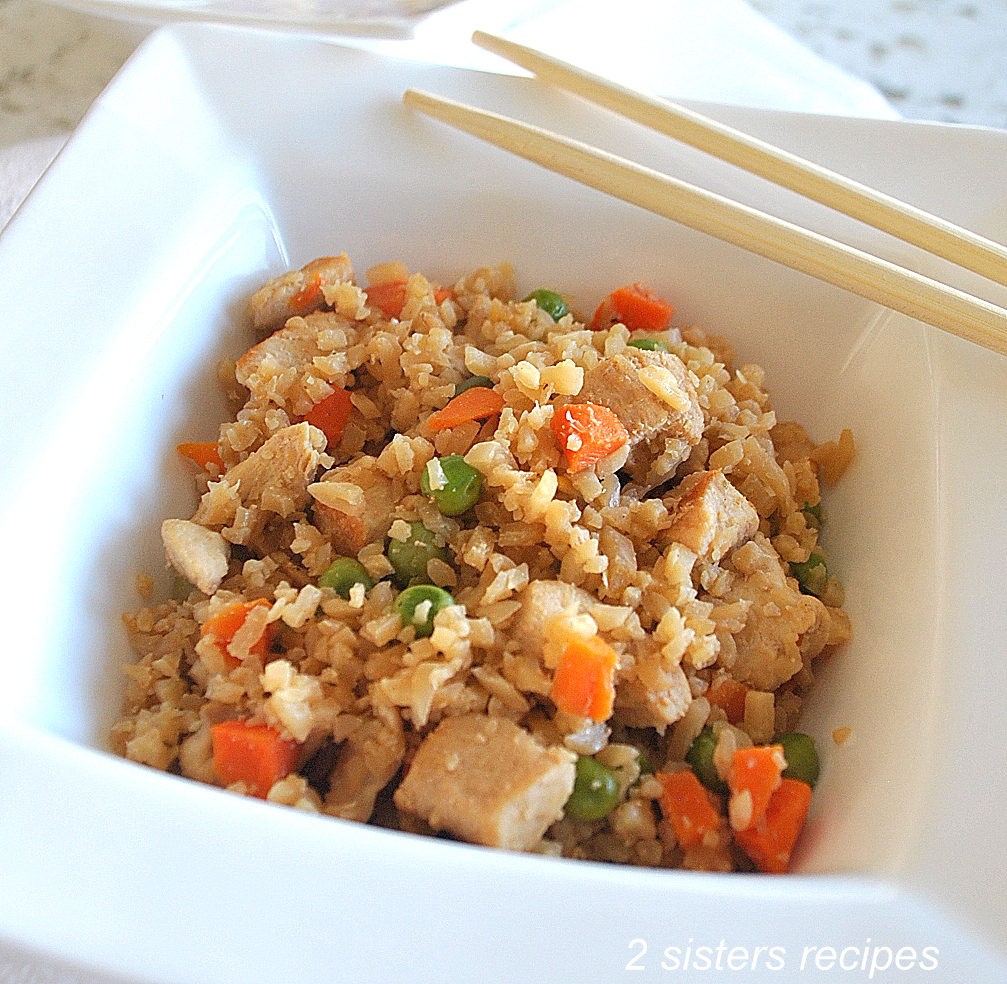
(487, 781)
(354, 505)
(769, 647)
(282, 369)
(711, 517)
(641, 706)
(367, 762)
(274, 478)
(654, 396)
(200, 555)
(297, 292)
(651, 393)
(541, 602)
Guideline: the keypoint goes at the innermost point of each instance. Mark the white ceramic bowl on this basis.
(220, 157)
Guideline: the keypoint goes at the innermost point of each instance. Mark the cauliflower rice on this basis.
(673, 555)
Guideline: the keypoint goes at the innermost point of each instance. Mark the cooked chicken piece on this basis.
(274, 478)
(653, 394)
(711, 517)
(641, 706)
(281, 369)
(769, 646)
(650, 392)
(200, 555)
(297, 292)
(354, 504)
(541, 602)
(367, 762)
(487, 781)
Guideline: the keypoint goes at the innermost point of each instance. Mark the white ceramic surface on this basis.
(392, 18)
(217, 158)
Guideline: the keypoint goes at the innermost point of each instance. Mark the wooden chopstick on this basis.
(843, 266)
(906, 222)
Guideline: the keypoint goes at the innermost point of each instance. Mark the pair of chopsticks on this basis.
(843, 266)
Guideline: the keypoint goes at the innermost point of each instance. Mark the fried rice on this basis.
(665, 577)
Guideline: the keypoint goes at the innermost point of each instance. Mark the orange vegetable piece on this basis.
(331, 414)
(203, 453)
(390, 297)
(770, 843)
(636, 306)
(689, 807)
(729, 695)
(223, 626)
(254, 754)
(587, 432)
(584, 681)
(309, 295)
(755, 772)
(475, 403)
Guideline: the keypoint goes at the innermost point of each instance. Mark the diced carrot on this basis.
(390, 297)
(754, 777)
(475, 403)
(636, 306)
(331, 414)
(587, 432)
(203, 453)
(254, 754)
(309, 295)
(223, 627)
(770, 843)
(584, 681)
(729, 695)
(689, 807)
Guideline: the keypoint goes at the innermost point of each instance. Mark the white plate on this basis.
(217, 158)
(370, 18)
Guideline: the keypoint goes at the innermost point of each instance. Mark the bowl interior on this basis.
(216, 183)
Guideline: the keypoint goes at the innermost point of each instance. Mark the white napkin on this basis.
(713, 51)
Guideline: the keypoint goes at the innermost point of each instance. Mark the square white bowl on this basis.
(219, 157)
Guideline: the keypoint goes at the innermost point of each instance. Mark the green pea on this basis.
(453, 484)
(550, 302)
(595, 791)
(814, 515)
(409, 557)
(649, 344)
(645, 764)
(812, 574)
(801, 755)
(181, 588)
(473, 381)
(343, 573)
(418, 605)
(700, 757)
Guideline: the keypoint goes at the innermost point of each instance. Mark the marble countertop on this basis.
(941, 60)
